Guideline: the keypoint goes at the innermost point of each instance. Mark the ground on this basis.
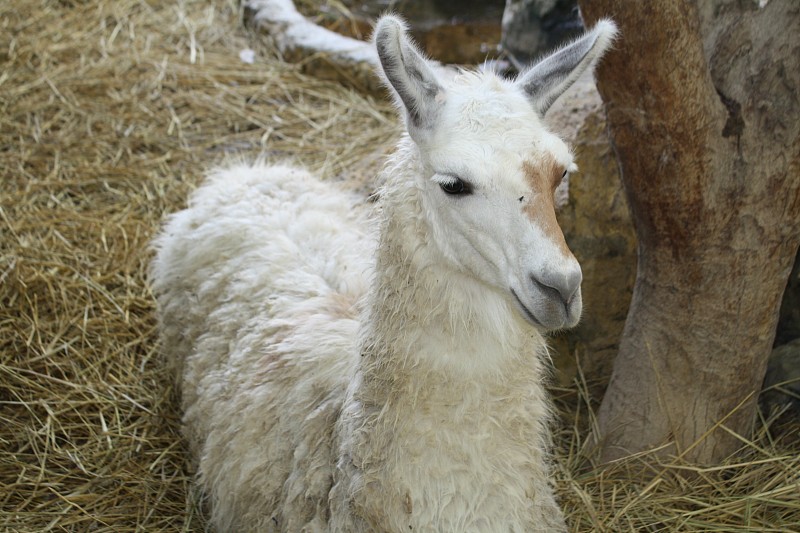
(110, 113)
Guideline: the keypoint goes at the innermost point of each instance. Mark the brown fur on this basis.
(543, 179)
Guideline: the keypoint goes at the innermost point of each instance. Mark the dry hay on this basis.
(110, 111)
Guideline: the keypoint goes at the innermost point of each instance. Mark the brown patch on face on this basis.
(543, 178)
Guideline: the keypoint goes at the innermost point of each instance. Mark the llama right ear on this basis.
(410, 75)
(549, 78)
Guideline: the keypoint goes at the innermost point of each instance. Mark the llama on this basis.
(340, 378)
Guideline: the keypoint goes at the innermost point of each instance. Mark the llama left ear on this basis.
(548, 79)
(408, 73)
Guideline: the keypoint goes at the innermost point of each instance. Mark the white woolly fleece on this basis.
(357, 373)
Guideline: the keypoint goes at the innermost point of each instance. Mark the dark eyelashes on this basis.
(455, 186)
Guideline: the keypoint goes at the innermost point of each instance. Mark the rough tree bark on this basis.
(703, 109)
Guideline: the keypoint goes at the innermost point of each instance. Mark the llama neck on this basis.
(448, 402)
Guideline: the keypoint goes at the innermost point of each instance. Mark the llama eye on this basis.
(560, 180)
(456, 187)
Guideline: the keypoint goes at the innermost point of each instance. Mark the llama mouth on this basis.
(526, 312)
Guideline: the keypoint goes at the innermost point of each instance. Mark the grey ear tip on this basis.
(606, 29)
(388, 25)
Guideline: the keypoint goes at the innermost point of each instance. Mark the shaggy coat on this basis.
(351, 371)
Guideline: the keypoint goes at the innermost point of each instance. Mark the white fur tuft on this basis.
(607, 33)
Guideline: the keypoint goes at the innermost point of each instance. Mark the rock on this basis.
(782, 382)
(789, 322)
(461, 43)
(531, 27)
(466, 32)
(599, 231)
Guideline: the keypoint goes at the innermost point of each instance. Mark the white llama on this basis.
(338, 379)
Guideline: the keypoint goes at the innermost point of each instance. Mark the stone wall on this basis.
(598, 229)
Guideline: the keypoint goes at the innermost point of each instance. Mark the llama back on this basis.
(258, 283)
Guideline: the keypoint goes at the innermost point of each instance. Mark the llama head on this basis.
(490, 168)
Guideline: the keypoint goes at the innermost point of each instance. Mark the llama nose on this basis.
(561, 285)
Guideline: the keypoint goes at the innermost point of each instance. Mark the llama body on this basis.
(350, 376)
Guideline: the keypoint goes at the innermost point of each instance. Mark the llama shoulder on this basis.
(255, 236)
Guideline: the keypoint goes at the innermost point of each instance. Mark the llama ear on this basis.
(410, 75)
(549, 78)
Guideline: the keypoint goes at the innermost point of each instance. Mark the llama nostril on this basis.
(572, 285)
(559, 285)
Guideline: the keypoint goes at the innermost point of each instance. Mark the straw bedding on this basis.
(110, 111)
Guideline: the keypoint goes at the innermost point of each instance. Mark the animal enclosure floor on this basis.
(109, 113)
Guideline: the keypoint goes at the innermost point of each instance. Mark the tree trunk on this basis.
(703, 109)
